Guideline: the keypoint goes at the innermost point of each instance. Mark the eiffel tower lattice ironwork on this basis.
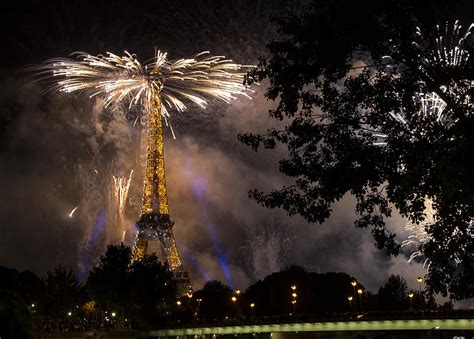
(155, 225)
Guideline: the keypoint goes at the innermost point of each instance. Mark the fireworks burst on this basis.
(447, 49)
(124, 77)
(120, 188)
(447, 52)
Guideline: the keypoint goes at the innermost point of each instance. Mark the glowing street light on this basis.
(237, 292)
(360, 291)
(411, 295)
(32, 305)
(252, 305)
(113, 314)
(350, 302)
(420, 281)
(234, 299)
(199, 300)
(294, 295)
(178, 303)
(354, 284)
(293, 287)
(69, 314)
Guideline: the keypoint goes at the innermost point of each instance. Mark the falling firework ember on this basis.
(73, 211)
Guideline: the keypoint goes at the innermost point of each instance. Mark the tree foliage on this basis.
(342, 73)
(137, 290)
(216, 301)
(316, 293)
(62, 292)
(393, 294)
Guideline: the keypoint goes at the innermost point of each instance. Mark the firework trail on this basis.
(120, 187)
(73, 211)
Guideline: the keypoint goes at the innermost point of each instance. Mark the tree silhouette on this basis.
(62, 293)
(393, 294)
(216, 301)
(141, 290)
(338, 92)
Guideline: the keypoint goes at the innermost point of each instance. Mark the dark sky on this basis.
(60, 151)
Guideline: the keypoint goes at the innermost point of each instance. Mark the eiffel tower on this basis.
(155, 227)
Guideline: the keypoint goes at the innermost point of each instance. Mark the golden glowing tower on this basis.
(155, 224)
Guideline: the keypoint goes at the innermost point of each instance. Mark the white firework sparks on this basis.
(121, 186)
(448, 51)
(124, 77)
(418, 233)
(449, 46)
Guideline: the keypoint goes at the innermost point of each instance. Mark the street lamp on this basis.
(411, 295)
(234, 299)
(294, 295)
(178, 303)
(420, 281)
(354, 284)
(199, 307)
(350, 303)
(237, 292)
(69, 314)
(359, 291)
(293, 287)
(114, 314)
(252, 305)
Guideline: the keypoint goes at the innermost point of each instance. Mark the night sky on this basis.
(59, 151)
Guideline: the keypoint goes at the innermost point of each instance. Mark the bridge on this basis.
(420, 327)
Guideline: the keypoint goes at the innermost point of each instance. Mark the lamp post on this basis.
(293, 297)
(359, 291)
(419, 280)
(410, 295)
(252, 305)
(350, 303)
(354, 284)
(199, 300)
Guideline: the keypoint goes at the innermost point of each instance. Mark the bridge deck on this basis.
(382, 325)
